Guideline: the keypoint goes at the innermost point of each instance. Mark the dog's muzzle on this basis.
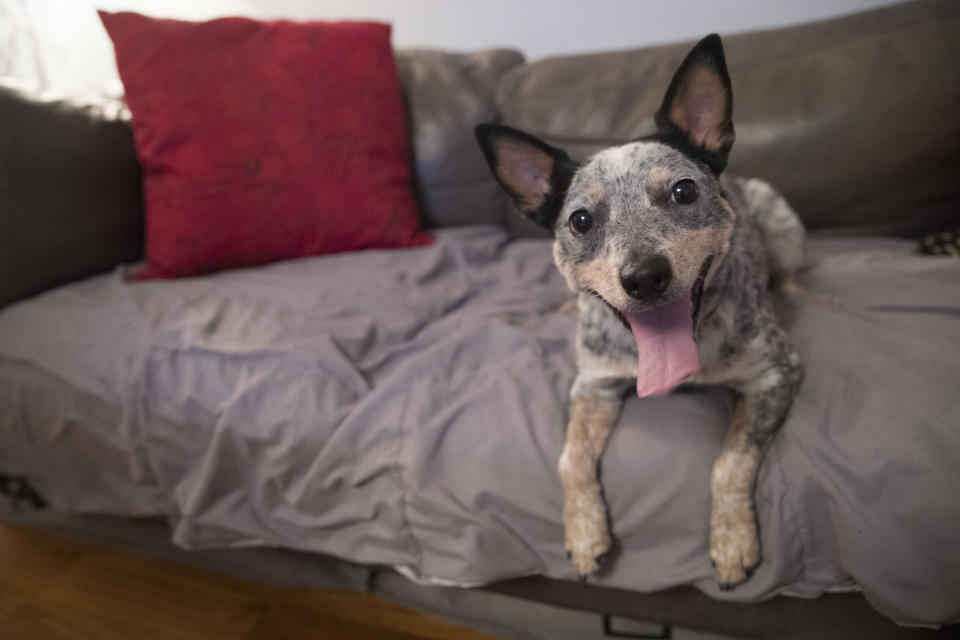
(651, 277)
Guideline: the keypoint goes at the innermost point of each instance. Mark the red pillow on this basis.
(262, 141)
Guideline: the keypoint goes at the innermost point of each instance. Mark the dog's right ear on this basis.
(697, 111)
(535, 174)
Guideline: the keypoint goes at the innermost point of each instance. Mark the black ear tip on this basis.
(709, 51)
(711, 47)
(711, 41)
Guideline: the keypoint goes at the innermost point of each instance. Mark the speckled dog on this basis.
(654, 239)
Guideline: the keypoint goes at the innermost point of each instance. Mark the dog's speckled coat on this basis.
(624, 209)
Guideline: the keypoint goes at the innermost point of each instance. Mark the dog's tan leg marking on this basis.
(592, 417)
(791, 289)
(734, 546)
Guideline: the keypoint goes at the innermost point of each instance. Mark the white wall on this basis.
(554, 27)
(75, 56)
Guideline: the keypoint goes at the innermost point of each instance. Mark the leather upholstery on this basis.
(853, 119)
(447, 94)
(70, 195)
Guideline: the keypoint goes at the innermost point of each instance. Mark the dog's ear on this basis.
(535, 174)
(697, 110)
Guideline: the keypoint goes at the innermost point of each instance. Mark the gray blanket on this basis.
(407, 408)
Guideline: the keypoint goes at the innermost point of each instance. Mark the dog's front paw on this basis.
(587, 536)
(734, 546)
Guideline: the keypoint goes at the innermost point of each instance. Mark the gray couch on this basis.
(392, 419)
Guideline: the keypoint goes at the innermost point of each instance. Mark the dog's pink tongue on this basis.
(668, 353)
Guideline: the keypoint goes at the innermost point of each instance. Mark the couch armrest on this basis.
(70, 191)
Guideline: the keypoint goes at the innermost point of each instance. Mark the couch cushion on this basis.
(264, 141)
(447, 95)
(407, 408)
(70, 196)
(853, 119)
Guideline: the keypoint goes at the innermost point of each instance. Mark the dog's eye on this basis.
(581, 221)
(685, 191)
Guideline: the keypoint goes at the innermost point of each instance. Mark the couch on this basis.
(391, 419)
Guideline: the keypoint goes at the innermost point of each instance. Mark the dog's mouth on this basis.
(696, 292)
(696, 295)
(664, 335)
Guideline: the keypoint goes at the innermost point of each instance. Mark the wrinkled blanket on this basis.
(407, 408)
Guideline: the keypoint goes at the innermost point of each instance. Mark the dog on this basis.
(672, 261)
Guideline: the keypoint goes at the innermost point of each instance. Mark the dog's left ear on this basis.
(697, 110)
(535, 174)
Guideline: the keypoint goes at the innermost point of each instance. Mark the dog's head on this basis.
(638, 224)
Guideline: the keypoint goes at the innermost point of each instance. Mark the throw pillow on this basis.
(263, 141)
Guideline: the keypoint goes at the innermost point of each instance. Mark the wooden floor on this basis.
(54, 588)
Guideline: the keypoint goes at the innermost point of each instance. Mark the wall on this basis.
(59, 44)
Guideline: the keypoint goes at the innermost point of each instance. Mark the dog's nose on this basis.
(647, 279)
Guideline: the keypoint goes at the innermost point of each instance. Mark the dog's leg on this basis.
(593, 412)
(789, 287)
(780, 227)
(783, 238)
(734, 547)
(760, 411)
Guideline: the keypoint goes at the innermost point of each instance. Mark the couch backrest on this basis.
(70, 192)
(854, 119)
(447, 94)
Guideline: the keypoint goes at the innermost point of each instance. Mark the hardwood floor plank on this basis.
(123, 596)
(56, 588)
(27, 566)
